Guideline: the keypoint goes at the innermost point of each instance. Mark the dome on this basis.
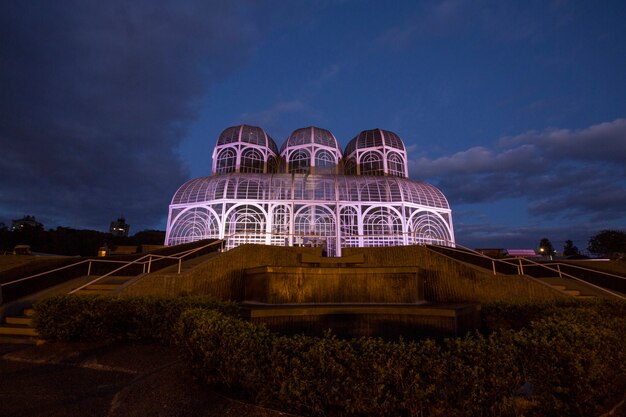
(247, 134)
(333, 188)
(310, 135)
(284, 209)
(374, 138)
(376, 152)
(244, 148)
(311, 150)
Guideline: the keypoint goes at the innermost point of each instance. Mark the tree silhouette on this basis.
(569, 249)
(546, 248)
(607, 242)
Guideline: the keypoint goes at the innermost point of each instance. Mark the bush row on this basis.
(538, 359)
(564, 363)
(520, 314)
(149, 319)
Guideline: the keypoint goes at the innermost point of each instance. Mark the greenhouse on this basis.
(309, 194)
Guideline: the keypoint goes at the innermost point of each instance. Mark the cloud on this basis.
(491, 235)
(557, 172)
(95, 100)
(602, 142)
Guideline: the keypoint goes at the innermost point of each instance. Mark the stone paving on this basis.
(113, 380)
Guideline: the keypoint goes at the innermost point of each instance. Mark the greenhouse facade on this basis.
(309, 193)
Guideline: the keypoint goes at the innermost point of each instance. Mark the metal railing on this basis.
(553, 267)
(145, 262)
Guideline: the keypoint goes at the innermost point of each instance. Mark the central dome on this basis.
(311, 150)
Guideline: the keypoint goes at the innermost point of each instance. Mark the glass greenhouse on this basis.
(310, 194)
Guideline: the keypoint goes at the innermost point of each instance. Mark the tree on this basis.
(607, 242)
(546, 248)
(569, 249)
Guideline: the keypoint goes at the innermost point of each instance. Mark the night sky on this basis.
(516, 110)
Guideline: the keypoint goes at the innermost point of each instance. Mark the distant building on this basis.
(25, 222)
(119, 227)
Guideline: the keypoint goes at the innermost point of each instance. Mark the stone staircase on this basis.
(19, 329)
(189, 264)
(574, 288)
(106, 286)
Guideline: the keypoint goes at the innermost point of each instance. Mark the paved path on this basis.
(112, 380)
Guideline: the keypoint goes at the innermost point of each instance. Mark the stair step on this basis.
(585, 297)
(108, 287)
(575, 293)
(115, 280)
(12, 329)
(87, 291)
(18, 340)
(23, 321)
(29, 312)
(559, 287)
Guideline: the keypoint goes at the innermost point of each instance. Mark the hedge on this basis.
(93, 317)
(564, 363)
(535, 359)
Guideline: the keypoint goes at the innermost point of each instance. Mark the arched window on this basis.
(427, 228)
(382, 226)
(324, 162)
(395, 164)
(251, 161)
(299, 162)
(194, 224)
(226, 161)
(372, 164)
(315, 221)
(245, 224)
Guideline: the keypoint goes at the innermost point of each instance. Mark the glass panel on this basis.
(372, 164)
(251, 161)
(226, 161)
(299, 162)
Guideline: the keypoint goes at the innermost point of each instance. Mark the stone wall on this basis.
(445, 280)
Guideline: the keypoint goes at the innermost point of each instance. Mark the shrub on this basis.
(224, 350)
(150, 319)
(567, 357)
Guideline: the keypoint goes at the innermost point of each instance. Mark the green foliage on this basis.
(225, 350)
(568, 355)
(607, 242)
(73, 317)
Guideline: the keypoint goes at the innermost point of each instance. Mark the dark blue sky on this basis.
(515, 110)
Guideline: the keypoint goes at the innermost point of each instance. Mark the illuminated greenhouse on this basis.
(309, 193)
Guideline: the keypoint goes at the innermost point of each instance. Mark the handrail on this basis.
(586, 269)
(138, 261)
(61, 268)
(149, 262)
(577, 279)
(546, 266)
(482, 255)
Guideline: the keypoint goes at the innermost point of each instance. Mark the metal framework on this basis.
(258, 196)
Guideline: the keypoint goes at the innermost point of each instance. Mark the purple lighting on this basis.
(303, 197)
